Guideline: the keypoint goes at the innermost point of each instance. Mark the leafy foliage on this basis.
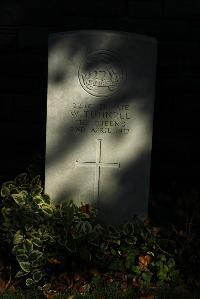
(49, 243)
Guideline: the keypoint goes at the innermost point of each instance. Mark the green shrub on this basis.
(44, 240)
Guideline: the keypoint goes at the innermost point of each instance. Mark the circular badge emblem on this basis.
(101, 74)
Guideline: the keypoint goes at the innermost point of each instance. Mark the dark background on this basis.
(24, 29)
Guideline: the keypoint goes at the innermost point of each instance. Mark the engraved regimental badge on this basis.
(101, 74)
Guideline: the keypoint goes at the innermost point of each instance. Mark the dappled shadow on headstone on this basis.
(121, 208)
(136, 171)
(125, 208)
(63, 148)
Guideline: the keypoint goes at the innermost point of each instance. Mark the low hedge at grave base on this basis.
(62, 248)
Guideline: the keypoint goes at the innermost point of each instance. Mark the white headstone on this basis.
(99, 121)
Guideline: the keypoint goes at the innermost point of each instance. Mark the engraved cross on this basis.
(97, 165)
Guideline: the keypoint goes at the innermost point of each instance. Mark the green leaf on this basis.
(37, 242)
(147, 276)
(47, 209)
(35, 255)
(47, 237)
(113, 230)
(159, 264)
(46, 198)
(38, 199)
(128, 228)
(79, 226)
(36, 181)
(28, 245)
(37, 276)
(42, 230)
(165, 268)
(5, 191)
(25, 193)
(28, 227)
(16, 248)
(171, 263)
(114, 240)
(87, 227)
(50, 239)
(36, 234)
(98, 228)
(19, 251)
(84, 227)
(174, 275)
(9, 184)
(18, 238)
(23, 186)
(22, 258)
(162, 257)
(29, 282)
(21, 178)
(26, 266)
(37, 191)
(136, 270)
(130, 260)
(21, 273)
(6, 213)
(37, 263)
(20, 198)
(132, 240)
(113, 251)
(162, 273)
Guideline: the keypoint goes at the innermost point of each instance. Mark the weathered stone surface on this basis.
(99, 120)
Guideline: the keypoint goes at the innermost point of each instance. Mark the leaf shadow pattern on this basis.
(137, 171)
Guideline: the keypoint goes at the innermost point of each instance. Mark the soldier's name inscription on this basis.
(104, 118)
